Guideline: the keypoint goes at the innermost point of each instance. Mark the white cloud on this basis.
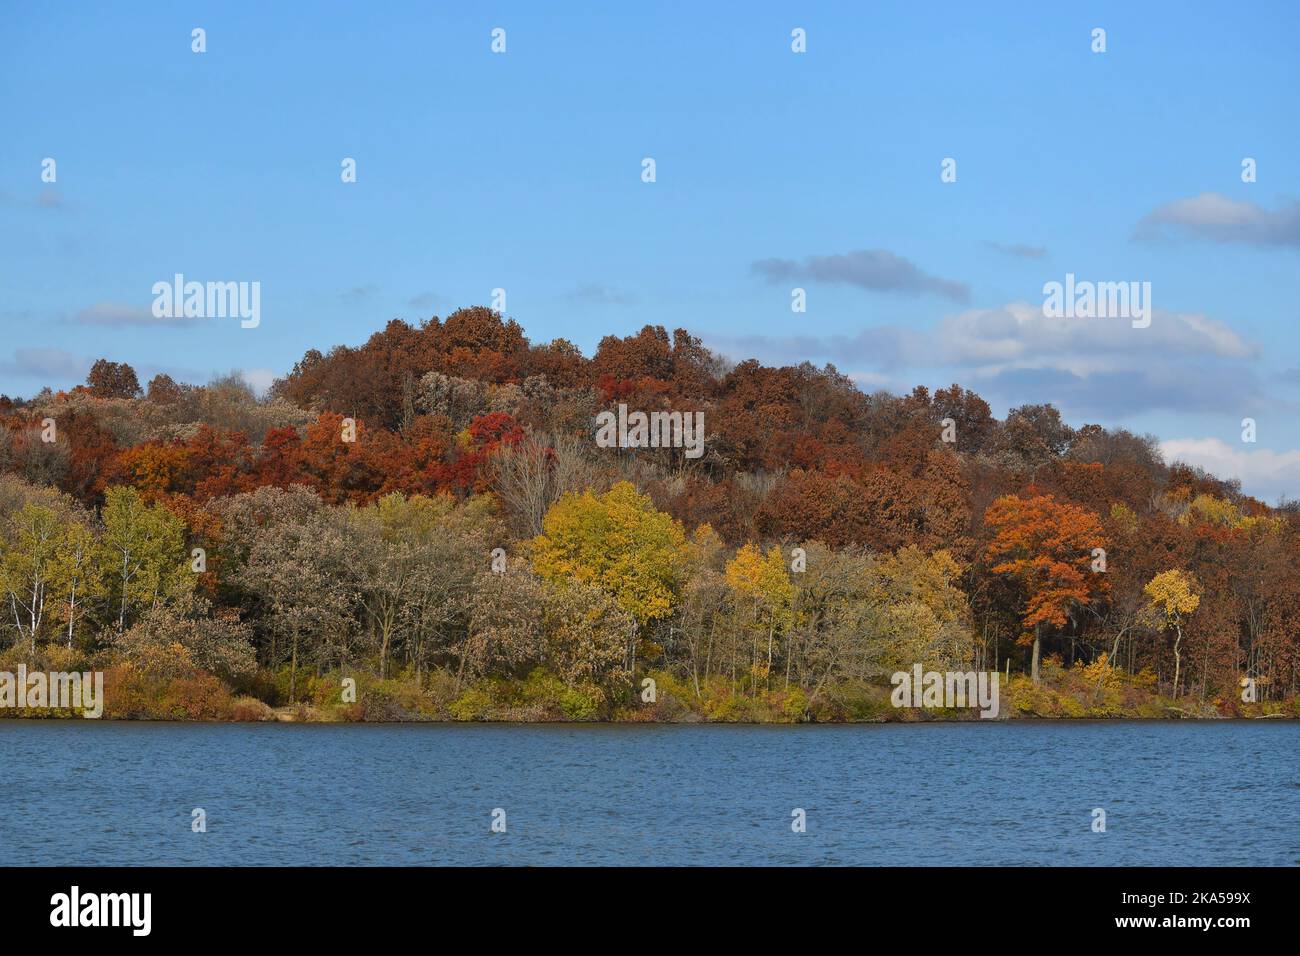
(1102, 369)
(259, 378)
(1263, 472)
(1216, 217)
(1018, 335)
(1013, 336)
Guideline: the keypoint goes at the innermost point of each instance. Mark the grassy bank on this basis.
(153, 691)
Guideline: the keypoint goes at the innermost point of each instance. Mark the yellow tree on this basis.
(1173, 596)
(620, 543)
(762, 581)
(925, 615)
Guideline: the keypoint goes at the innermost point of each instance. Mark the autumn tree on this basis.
(970, 415)
(1032, 435)
(217, 643)
(1173, 596)
(445, 587)
(530, 476)
(924, 614)
(836, 636)
(619, 543)
(301, 573)
(1047, 547)
(882, 508)
(702, 606)
(760, 581)
(154, 469)
(391, 540)
(49, 578)
(504, 630)
(830, 508)
(112, 380)
(584, 632)
(647, 354)
(163, 389)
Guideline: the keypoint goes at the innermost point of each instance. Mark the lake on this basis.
(976, 793)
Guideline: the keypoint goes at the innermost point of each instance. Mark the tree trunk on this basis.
(293, 671)
(1178, 659)
(32, 617)
(771, 635)
(1037, 650)
(72, 615)
(126, 578)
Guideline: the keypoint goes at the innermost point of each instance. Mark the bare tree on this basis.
(532, 475)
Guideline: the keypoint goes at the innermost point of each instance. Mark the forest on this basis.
(424, 527)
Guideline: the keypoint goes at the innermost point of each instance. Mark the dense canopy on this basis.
(429, 514)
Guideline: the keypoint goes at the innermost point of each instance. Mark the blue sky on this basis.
(522, 171)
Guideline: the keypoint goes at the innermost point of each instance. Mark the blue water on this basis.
(979, 793)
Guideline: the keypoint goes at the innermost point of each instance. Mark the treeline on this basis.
(429, 515)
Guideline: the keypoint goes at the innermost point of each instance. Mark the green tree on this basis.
(76, 583)
(28, 565)
(142, 556)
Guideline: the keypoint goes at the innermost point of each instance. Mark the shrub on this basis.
(250, 709)
(474, 704)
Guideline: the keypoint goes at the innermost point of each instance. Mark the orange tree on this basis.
(1046, 546)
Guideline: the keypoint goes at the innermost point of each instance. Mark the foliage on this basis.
(617, 542)
(428, 514)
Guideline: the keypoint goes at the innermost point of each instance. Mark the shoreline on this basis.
(289, 719)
